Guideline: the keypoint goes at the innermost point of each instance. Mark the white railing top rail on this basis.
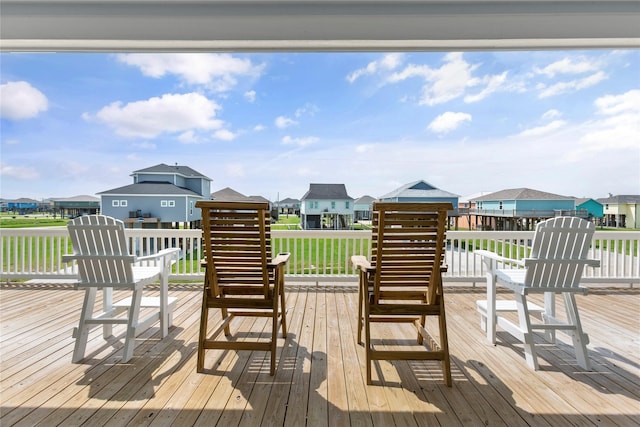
(27, 253)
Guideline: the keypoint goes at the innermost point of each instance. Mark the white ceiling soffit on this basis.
(321, 25)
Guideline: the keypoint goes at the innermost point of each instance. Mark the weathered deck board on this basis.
(320, 368)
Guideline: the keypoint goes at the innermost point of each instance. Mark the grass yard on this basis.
(30, 221)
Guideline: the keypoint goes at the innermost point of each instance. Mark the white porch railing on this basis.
(36, 253)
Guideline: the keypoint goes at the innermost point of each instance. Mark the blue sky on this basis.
(565, 122)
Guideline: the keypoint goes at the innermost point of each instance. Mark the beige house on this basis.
(622, 211)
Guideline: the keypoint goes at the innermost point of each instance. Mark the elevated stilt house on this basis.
(326, 206)
(161, 196)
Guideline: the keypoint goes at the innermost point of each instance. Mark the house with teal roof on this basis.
(593, 208)
(521, 208)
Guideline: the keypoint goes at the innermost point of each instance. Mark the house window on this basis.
(190, 208)
(346, 205)
(500, 206)
(163, 203)
(123, 203)
(115, 203)
(172, 203)
(333, 205)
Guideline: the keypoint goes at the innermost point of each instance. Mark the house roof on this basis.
(474, 196)
(229, 195)
(521, 194)
(289, 201)
(365, 200)
(418, 189)
(327, 192)
(581, 200)
(22, 200)
(82, 198)
(621, 199)
(258, 199)
(162, 168)
(151, 188)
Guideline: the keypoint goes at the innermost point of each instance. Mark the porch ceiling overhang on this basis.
(314, 25)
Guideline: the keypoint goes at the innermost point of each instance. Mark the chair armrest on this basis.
(361, 263)
(586, 262)
(595, 263)
(161, 254)
(280, 259)
(495, 257)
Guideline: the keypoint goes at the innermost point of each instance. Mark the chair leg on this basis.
(361, 295)
(367, 337)
(225, 314)
(204, 317)
(423, 319)
(444, 345)
(274, 337)
(525, 328)
(165, 320)
(549, 313)
(107, 307)
(283, 308)
(132, 325)
(82, 332)
(580, 339)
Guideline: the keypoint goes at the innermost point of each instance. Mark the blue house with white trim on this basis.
(521, 208)
(161, 196)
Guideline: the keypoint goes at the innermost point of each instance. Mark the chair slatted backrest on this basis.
(238, 236)
(559, 253)
(100, 249)
(408, 249)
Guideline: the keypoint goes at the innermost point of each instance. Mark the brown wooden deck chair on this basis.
(103, 261)
(241, 277)
(403, 282)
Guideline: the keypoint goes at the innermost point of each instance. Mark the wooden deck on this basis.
(320, 370)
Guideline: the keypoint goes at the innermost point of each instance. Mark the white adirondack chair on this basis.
(103, 261)
(555, 265)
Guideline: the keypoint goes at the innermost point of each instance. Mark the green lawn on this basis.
(28, 221)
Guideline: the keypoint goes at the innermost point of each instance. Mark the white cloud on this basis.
(224, 134)
(188, 137)
(617, 129)
(218, 72)
(234, 170)
(448, 121)
(259, 128)
(284, 122)
(18, 172)
(491, 85)
(572, 85)
(568, 66)
(628, 102)
(388, 62)
(363, 148)
(168, 114)
(250, 95)
(20, 100)
(543, 130)
(452, 80)
(551, 114)
(307, 110)
(301, 142)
